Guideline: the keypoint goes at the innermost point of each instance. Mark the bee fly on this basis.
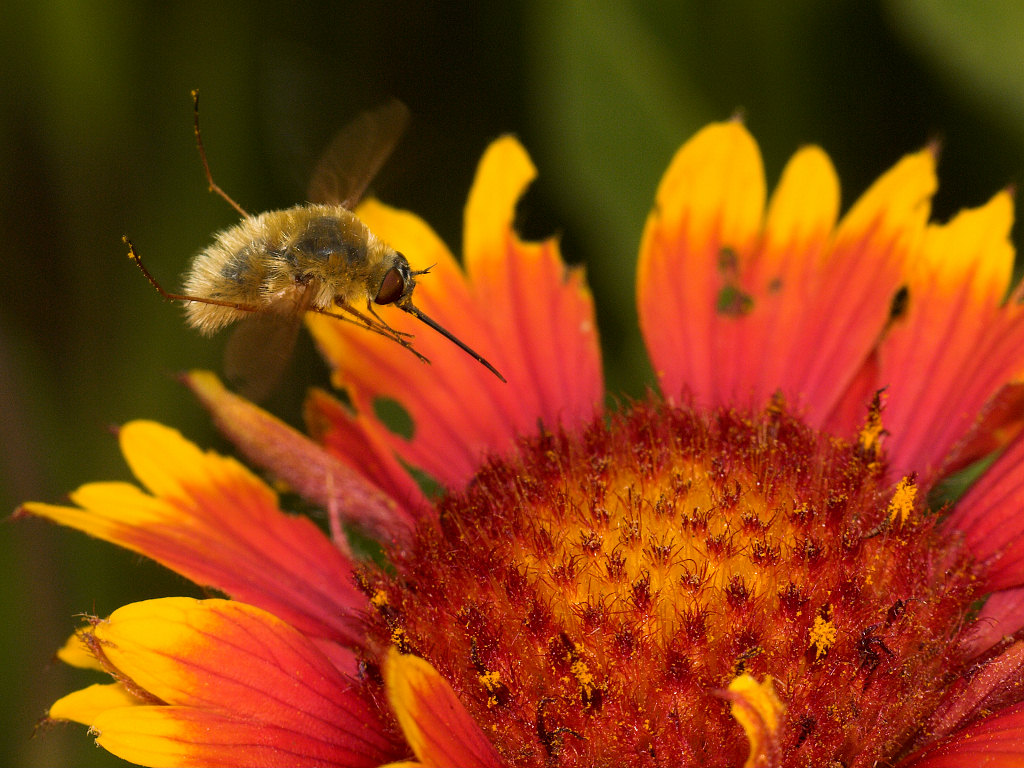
(268, 270)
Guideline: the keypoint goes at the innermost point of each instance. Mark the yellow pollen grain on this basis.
(583, 676)
(489, 680)
(492, 682)
(823, 636)
(379, 599)
(870, 436)
(903, 499)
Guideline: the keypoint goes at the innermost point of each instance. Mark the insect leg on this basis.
(372, 311)
(213, 186)
(134, 256)
(358, 318)
(379, 325)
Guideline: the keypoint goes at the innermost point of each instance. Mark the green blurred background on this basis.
(96, 141)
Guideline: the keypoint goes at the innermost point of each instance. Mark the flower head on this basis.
(743, 570)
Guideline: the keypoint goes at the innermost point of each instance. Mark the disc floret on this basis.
(593, 600)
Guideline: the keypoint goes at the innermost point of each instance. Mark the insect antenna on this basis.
(415, 312)
(213, 186)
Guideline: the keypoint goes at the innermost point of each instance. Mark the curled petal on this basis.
(1000, 617)
(292, 457)
(758, 710)
(356, 439)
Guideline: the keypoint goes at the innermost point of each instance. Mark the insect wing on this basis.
(356, 154)
(261, 345)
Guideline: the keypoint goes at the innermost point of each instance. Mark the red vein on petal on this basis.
(996, 742)
(236, 660)
(216, 740)
(989, 517)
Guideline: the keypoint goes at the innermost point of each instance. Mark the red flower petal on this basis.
(801, 217)
(1000, 617)
(360, 443)
(989, 517)
(955, 347)
(703, 230)
(734, 309)
(851, 295)
(517, 305)
(244, 688)
(987, 689)
(999, 423)
(996, 742)
(213, 521)
(438, 728)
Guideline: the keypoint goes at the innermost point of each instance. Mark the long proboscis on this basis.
(415, 312)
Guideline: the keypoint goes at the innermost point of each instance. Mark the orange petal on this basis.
(213, 521)
(180, 736)
(519, 307)
(758, 710)
(850, 297)
(541, 310)
(305, 466)
(995, 742)
(437, 726)
(243, 688)
(733, 311)
(955, 347)
(697, 242)
(989, 518)
(798, 230)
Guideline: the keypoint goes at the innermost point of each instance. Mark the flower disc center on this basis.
(592, 600)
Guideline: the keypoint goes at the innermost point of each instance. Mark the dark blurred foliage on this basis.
(96, 142)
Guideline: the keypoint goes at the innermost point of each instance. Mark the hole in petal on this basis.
(900, 303)
(734, 302)
(394, 416)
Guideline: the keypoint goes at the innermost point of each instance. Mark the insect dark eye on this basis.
(391, 288)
